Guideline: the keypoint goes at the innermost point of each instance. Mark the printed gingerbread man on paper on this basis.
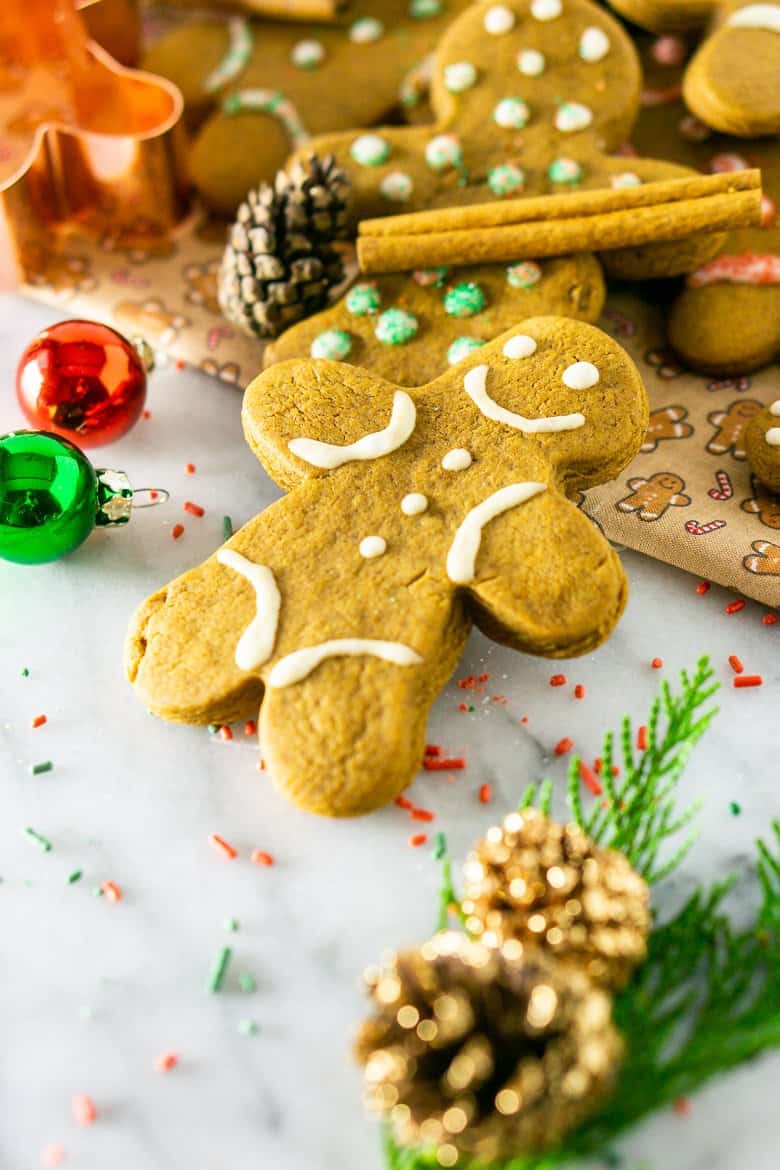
(667, 422)
(345, 605)
(763, 503)
(530, 97)
(730, 426)
(651, 498)
(765, 558)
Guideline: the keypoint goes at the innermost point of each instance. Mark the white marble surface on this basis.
(133, 800)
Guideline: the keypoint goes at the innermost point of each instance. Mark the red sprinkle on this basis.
(190, 468)
(641, 738)
(194, 509)
(485, 794)
(166, 1061)
(422, 814)
(443, 764)
(657, 663)
(589, 779)
(483, 678)
(598, 765)
(524, 719)
(225, 732)
(84, 1111)
(250, 727)
(682, 1106)
(260, 857)
(154, 494)
(404, 802)
(418, 839)
(177, 530)
(770, 619)
(147, 414)
(563, 746)
(579, 691)
(736, 664)
(222, 846)
(39, 721)
(735, 606)
(180, 365)
(463, 707)
(748, 680)
(111, 891)
(558, 680)
(703, 587)
(432, 749)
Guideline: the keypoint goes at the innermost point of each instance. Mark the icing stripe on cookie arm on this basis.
(475, 386)
(299, 665)
(462, 555)
(256, 644)
(766, 16)
(773, 434)
(330, 455)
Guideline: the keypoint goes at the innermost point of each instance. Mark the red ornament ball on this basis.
(81, 380)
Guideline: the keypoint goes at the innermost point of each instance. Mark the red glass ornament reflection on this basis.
(81, 380)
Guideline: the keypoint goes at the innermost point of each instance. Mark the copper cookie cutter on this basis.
(86, 144)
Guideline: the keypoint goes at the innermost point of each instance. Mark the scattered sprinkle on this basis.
(418, 839)
(563, 746)
(443, 763)
(190, 468)
(641, 738)
(748, 680)
(682, 1107)
(177, 530)
(260, 857)
(579, 691)
(736, 664)
(422, 814)
(770, 619)
(218, 968)
(247, 982)
(84, 1111)
(231, 924)
(213, 728)
(225, 732)
(222, 846)
(485, 794)
(248, 1027)
(403, 802)
(735, 606)
(432, 749)
(39, 721)
(589, 779)
(111, 891)
(193, 509)
(657, 663)
(26, 673)
(250, 727)
(147, 414)
(558, 680)
(75, 876)
(180, 364)
(44, 766)
(440, 846)
(734, 808)
(42, 842)
(166, 1061)
(227, 527)
(703, 587)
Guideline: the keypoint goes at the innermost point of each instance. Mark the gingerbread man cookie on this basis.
(266, 87)
(410, 514)
(531, 97)
(730, 426)
(762, 446)
(651, 498)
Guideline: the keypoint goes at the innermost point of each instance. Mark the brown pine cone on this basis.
(548, 885)
(479, 1054)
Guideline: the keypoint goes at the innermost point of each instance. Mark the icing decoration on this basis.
(444, 151)
(256, 644)
(524, 274)
(499, 20)
(531, 62)
(397, 186)
(474, 385)
(363, 299)
(425, 9)
(625, 179)
(371, 446)
(505, 179)
(414, 504)
(462, 555)
(565, 171)
(546, 9)
(460, 76)
(372, 546)
(308, 54)
(766, 16)
(511, 114)
(425, 277)
(594, 44)
(395, 327)
(458, 459)
(773, 434)
(580, 376)
(268, 101)
(237, 56)
(519, 346)
(462, 347)
(366, 30)
(335, 344)
(416, 83)
(747, 268)
(572, 116)
(464, 300)
(369, 150)
(299, 665)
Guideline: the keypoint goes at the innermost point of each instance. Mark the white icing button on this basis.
(366, 30)
(372, 546)
(546, 9)
(520, 346)
(456, 460)
(460, 76)
(499, 20)
(580, 376)
(775, 407)
(307, 54)
(531, 62)
(572, 116)
(625, 179)
(594, 44)
(773, 436)
(414, 504)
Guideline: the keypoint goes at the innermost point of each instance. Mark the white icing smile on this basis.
(462, 556)
(298, 665)
(257, 641)
(372, 446)
(474, 384)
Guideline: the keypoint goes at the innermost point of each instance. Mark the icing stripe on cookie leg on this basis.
(462, 557)
(269, 101)
(372, 446)
(256, 644)
(237, 56)
(474, 384)
(298, 665)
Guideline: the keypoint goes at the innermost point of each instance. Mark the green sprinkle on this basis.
(227, 527)
(97, 891)
(213, 728)
(248, 1027)
(75, 876)
(25, 673)
(735, 808)
(395, 327)
(247, 982)
(464, 300)
(363, 299)
(218, 968)
(440, 847)
(44, 766)
(42, 842)
(231, 924)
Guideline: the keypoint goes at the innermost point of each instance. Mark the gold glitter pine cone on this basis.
(474, 1052)
(549, 886)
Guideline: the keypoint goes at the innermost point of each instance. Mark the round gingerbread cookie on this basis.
(762, 445)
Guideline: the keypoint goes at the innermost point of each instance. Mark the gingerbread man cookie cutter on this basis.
(410, 514)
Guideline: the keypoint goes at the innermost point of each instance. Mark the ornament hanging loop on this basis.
(156, 496)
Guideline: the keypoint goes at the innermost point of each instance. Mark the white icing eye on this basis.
(414, 504)
(456, 460)
(520, 346)
(499, 19)
(546, 9)
(580, 376)
(594, 44)
(372, 546)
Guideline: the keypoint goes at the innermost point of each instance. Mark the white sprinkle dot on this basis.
(414, 504)
(546, 9)
(594, 44)
(499, 20)
(456, 460)
(580, 376)
(372, 546)
(520, 346)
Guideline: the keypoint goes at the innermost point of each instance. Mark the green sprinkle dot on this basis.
(462, 347)
(25, 673)
(333, 343)
(363, 299)
(75, 876)
(44, 766)
(464, 300)
(735, 808)
(219, 966)
(525, 274)
(248, 1027)
(231, 924)
(213, 728)
(565, 171)
(395, 327)
(370, 150)
(227, 527)
(505, 179)
(247, 982)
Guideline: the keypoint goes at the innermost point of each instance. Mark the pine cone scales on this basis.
(547, 885)
(279, 263)
(474, 1052)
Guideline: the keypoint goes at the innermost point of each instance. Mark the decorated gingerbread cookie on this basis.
(410, 514)
(266, 87)
(762, 445)
(409, 328)
(531, 97)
